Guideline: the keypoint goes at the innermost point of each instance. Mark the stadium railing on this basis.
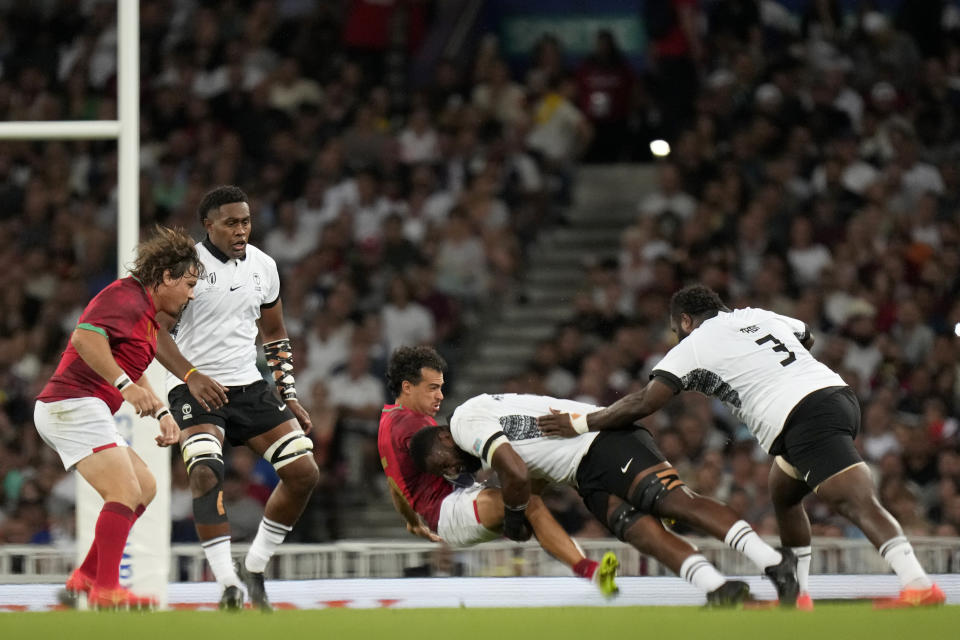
(394, 559)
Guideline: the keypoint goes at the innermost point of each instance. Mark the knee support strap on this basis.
(287, 449)
(203, 448)
(653, 487)
(622, 518)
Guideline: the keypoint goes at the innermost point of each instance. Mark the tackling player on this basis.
(102, 366)
(757, 362)
(621, 475)
(216, 391)
(468, 513)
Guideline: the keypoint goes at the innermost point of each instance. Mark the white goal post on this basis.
(146, 559)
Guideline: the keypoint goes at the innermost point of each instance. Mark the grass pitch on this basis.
(828, 621)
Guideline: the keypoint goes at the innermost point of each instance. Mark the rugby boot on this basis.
(729, 594)
(118, 598)
(913, 598)
(232, 599)
(79, 582)
(784, 578)
(604, 576)
(804, 601)
(256, 590)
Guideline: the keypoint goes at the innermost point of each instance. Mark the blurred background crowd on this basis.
(814, 171)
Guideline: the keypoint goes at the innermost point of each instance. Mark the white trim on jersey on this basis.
(485, 421)
(753, 361)
(217, 332)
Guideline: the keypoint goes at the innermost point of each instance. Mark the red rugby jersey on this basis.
(423, 491)
(123, 312)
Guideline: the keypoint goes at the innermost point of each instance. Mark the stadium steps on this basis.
(605, 201)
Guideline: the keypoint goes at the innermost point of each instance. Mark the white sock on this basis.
(269, 536)
(698, 571)
(804, 555)
(218, 555)
(744, 539)
(898, 552)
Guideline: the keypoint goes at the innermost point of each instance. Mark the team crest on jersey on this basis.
(256, 281)
(186, 410)
(212, 278)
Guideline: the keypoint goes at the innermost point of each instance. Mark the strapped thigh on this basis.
(288, 448)
(650, 489)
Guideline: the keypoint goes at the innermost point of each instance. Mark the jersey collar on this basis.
(216, 253)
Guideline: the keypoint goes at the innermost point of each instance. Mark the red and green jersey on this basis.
(423, 491)
(124, 314)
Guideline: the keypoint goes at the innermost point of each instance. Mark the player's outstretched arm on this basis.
(208, 392)
(620, 415)
(94, 348)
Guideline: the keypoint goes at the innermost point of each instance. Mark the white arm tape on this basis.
(579, 423)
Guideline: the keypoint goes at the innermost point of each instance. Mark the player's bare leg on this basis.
(659, 490)
(202, 449)
(550, 535)
(787, 493)
(111, 473)
(648, 536)
(290, 451)
(851, 493)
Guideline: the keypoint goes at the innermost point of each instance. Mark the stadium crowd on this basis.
(814, 172)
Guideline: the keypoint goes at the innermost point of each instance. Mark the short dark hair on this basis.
(166, 250)
(216, 198)
(697, 301)
(421, 444)
(406, 363)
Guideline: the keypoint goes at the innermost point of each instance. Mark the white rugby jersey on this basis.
(217, 331)
(753, 361)
(485, 421)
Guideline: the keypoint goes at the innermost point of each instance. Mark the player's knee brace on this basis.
(654, 487)
(287, 449)
(204, 449)
(622, 518)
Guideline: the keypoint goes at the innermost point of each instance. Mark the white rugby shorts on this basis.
(76, 428)
(459, 524)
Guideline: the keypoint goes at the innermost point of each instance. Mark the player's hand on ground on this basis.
(169, 432)
(300, 414)
(208, 392)
(556, 424)
(423, 531)
(143, 401)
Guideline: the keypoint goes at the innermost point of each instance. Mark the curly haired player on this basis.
(101, 368)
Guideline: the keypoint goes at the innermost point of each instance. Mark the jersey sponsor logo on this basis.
(236, 287)
(477, 446)
(186, 410)
(281, 407)
(624, 468)
(520, 427)
(751, 329)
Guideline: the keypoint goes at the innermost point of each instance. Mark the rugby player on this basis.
(216, 391)
(758, 363)
(103, 365)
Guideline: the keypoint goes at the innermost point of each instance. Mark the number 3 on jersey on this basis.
(778, 346)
